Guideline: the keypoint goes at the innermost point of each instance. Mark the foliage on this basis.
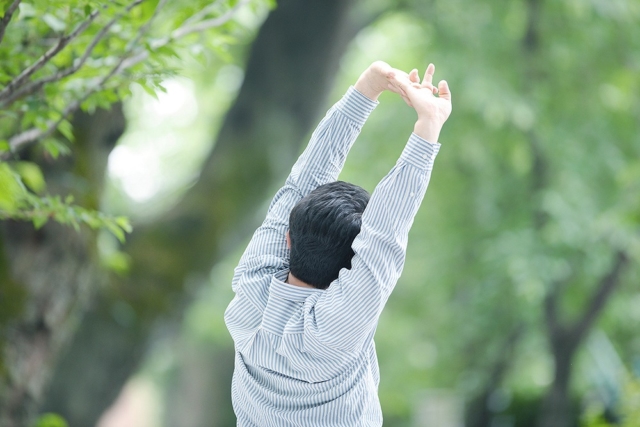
(18, 203)
(60, 56)
(51, 420)
(629, 410)
(535, 187)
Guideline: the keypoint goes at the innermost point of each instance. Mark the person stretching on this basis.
(311, 285)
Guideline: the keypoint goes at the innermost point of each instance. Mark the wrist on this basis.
(427, 129)
(367, 86)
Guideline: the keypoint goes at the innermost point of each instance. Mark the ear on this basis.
(288, 240)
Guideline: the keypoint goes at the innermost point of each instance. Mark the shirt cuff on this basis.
(356, 106)
(419, 152)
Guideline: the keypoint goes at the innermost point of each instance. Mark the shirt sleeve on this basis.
(319, 164)
(342, 317)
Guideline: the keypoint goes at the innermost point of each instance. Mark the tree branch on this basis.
(599, 297)
(202, 13)
(20, 140)
(565, 338)
(208, 23)
(554, 328)
(532, 36)
(7, 17)
(184, 31)
(38, 84)
(47, 56)
(34, 134)
(12, 91)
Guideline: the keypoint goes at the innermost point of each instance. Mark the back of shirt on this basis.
(283, 379)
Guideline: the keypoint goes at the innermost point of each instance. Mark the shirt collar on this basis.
(290, 292)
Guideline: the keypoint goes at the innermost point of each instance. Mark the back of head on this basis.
(322, 227)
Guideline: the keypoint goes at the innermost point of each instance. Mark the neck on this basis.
(293, 280)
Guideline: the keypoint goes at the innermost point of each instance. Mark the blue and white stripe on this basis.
(306, 357)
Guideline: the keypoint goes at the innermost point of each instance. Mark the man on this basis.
(316, 275)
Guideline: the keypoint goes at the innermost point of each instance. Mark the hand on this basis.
(433, 111)
(375, 80)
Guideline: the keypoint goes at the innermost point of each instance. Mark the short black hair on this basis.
(322, 227)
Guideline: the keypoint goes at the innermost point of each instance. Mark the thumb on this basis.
(443, 90)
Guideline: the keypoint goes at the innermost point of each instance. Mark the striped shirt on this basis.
(305, 356)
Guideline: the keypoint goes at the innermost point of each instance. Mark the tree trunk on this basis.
(565, 340)
(478, 413)
(47, 277)
(556, 410)
(289, 73)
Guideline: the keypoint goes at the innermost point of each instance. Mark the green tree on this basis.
(533, 201)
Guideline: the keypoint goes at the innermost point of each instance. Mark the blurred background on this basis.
(519, 304)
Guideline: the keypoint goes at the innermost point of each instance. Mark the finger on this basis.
(401, 93)
(395, 73)
(443, 90)
(397, 89)
(391, 78)
(414, 76)
(428, 76)
(401, 82)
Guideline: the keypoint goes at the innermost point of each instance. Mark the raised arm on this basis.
(347, 313)
(320, 163)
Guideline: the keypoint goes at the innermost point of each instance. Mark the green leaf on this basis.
(124, 223)
(151, 91)
(147, 8)
(4, 146)
(51, 420)
(3, 7)
(116, 231)
(31, 176)
(66, 129)
(55, 147)
(11, 189)
(87, 10)
(167, 50)
(92, 220)
(39, 220)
